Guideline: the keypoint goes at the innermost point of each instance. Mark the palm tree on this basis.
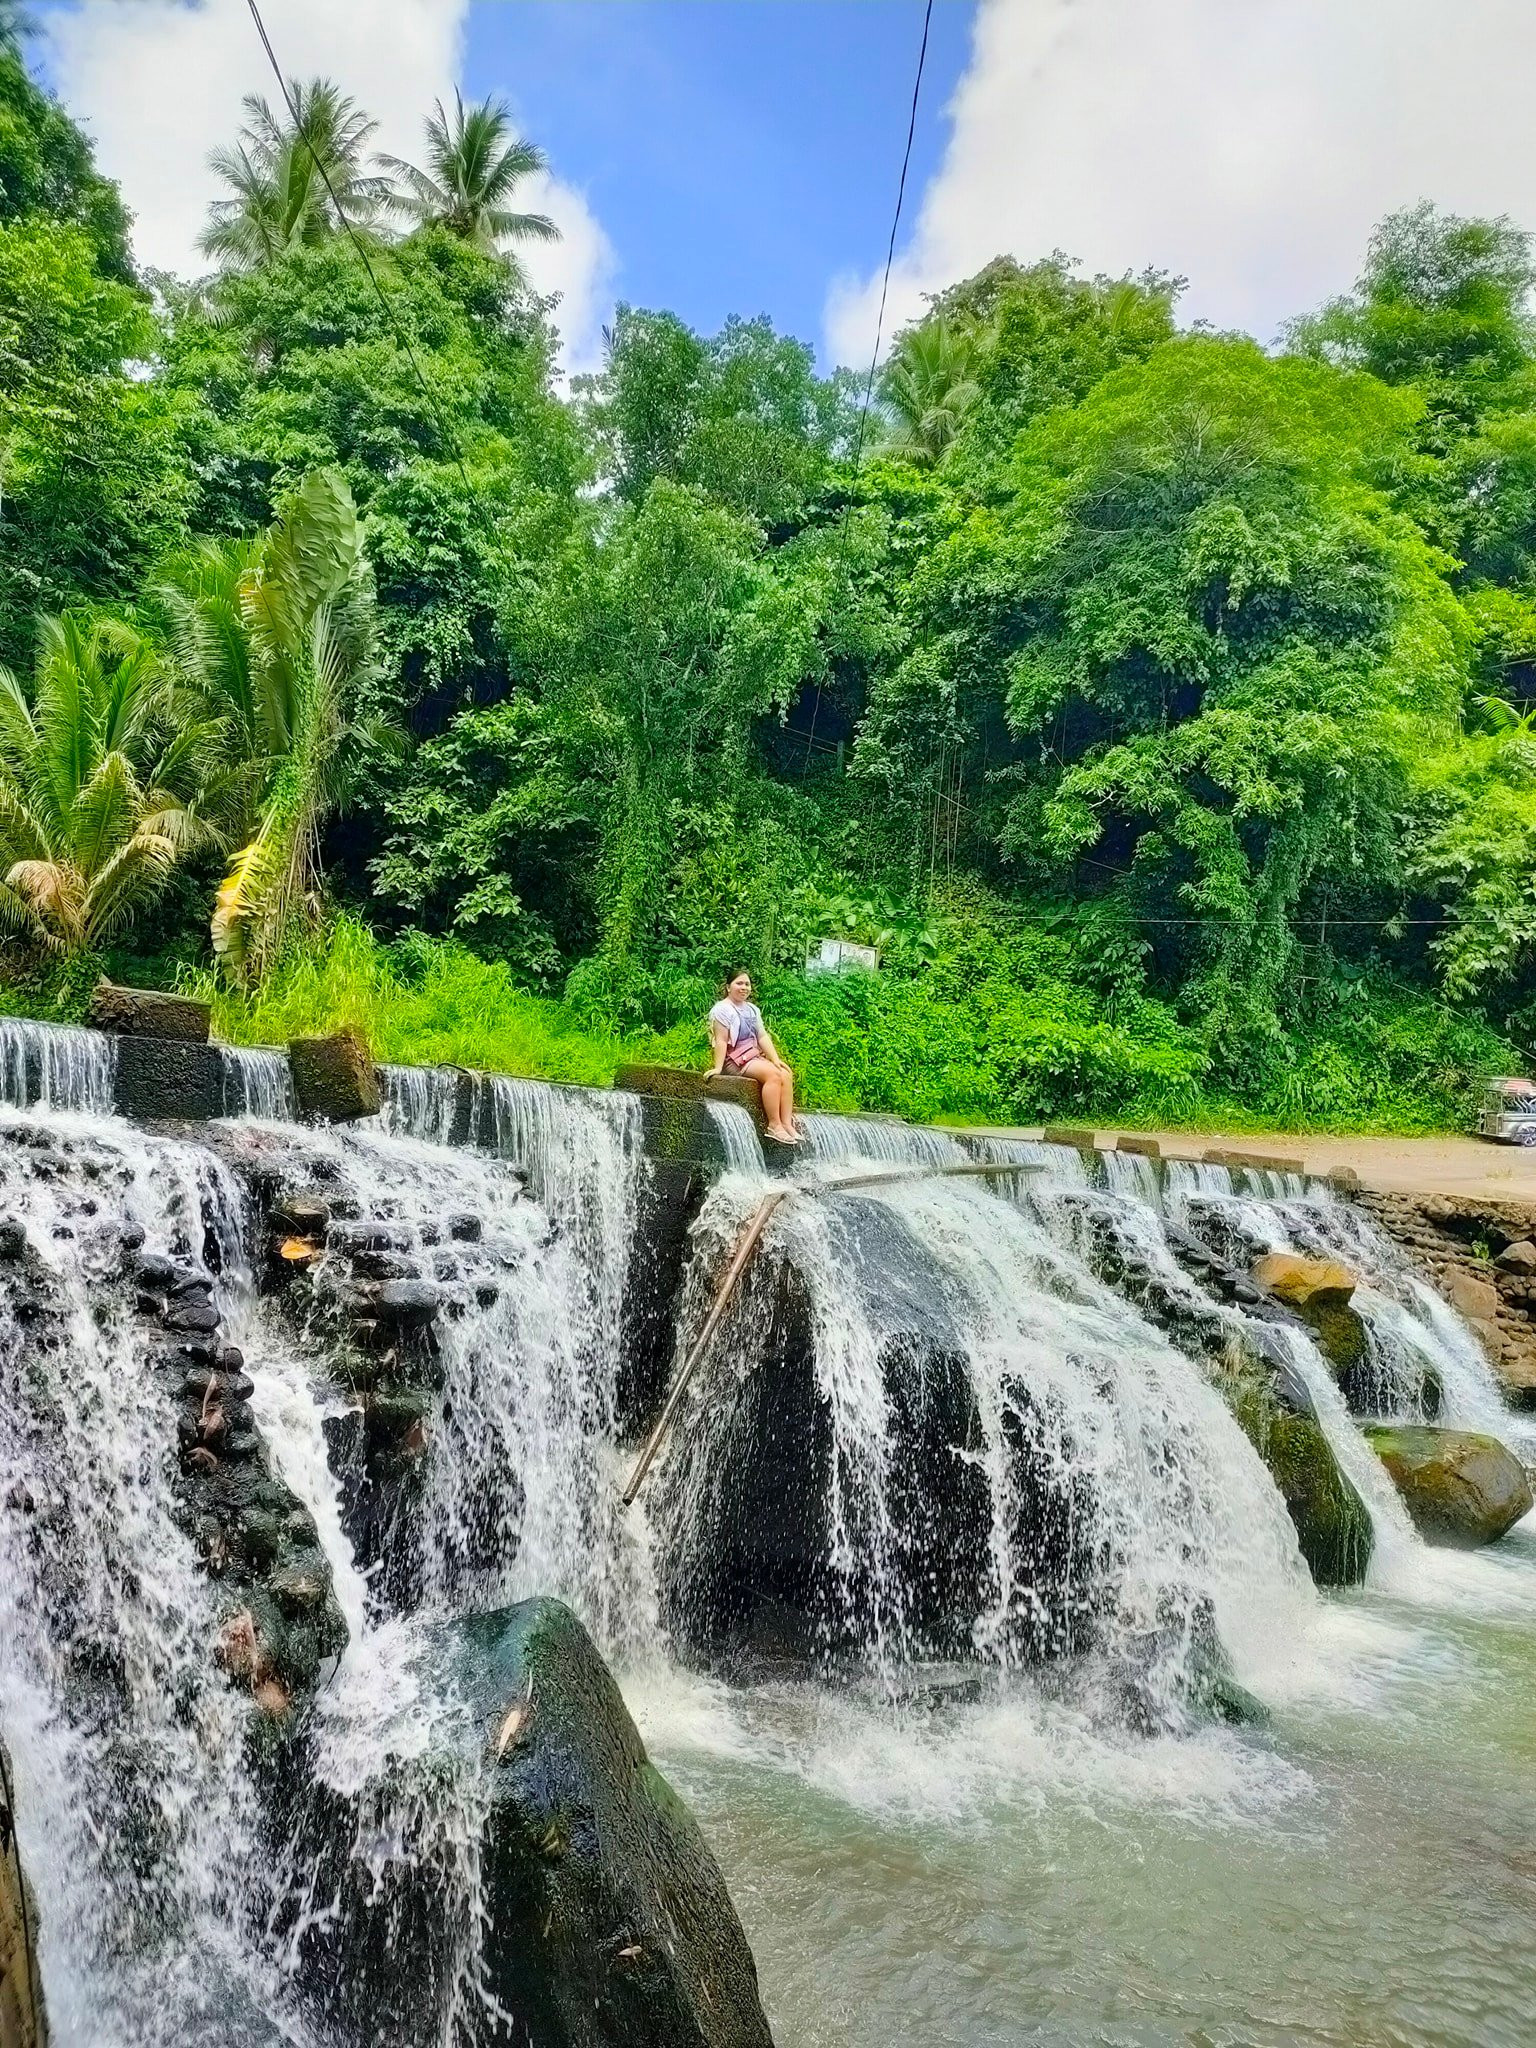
(277, 636)
(929, 386)
(476, 164)
(102, 776)
(281, 200)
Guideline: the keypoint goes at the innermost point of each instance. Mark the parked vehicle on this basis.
(1508, 1114)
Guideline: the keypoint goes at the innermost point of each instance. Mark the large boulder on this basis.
(756, 1567)
(1320, 1292)
(1304, 1283)
(22, 2024)
(1462, 1489)
(544, 1886)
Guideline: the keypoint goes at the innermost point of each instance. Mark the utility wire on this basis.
(885, 286)
(450, 439)
(890, 250)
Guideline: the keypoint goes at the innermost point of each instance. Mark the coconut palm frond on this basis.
(475, 163)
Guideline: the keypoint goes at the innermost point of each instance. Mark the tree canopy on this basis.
(1159, 704)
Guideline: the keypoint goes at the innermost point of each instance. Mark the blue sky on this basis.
(739, 153)
(719, 156)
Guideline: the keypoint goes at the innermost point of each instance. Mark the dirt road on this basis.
(1421, 1166)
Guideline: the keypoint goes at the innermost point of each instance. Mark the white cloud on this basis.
(158, 83)
(1249, 145)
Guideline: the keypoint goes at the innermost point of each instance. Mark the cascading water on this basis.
(258, 1083)
(137, 1813)
(1113, 1521)
(56, 1066)
(1120, 1508)
(739, 1141)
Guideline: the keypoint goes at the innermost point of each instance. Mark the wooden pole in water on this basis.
(746, 1244)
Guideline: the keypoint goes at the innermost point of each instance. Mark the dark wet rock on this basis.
(607, 1921)
(348, 1239)
(191, 1315)
(155, 1269)
(13, 1238)
(407, 1301)
(303, 1212)
(370, 1265)
(334, 1078)
(1462, 1489)
(749, 1562)
(465, 1227)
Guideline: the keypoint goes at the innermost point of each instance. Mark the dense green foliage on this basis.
(1158, 705)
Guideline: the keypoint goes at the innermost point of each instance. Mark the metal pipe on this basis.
(746, 1244)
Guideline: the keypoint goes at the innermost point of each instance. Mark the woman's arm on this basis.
(719, 1041)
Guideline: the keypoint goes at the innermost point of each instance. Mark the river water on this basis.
(1012, 1861)
(1360, 1871)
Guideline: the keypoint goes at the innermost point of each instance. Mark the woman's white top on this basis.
(736, 1019)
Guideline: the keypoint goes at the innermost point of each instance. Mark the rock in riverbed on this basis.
(603, 1919)
(1462, 1489)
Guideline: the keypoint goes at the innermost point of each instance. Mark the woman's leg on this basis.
(771, 1081)
(787, 1078)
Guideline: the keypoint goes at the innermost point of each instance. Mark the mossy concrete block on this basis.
(1069, 1134)
(334, 1078)
(1461, 1488)
(169, 1078)
(148, 1013)
(1143, 1148)
(685, 1084)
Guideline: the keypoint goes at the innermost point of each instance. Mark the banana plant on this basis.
(105, 776)
(278, 636)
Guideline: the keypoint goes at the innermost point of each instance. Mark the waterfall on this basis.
(847, 1139)
(1120, 1507)
(739, 1141)
(517, 1496)
(56, 1066)
(137, 1816)
(258, 1083)
(421, 1102)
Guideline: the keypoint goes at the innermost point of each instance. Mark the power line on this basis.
(890, 251)
(450, 439)
(885, 286)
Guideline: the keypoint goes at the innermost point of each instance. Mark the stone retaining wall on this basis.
(1462, 1244)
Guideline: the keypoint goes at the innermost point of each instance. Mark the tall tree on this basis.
(277, 636)
(284, 169)
(475, 165)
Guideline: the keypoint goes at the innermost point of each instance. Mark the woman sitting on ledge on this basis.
(741, 1045)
